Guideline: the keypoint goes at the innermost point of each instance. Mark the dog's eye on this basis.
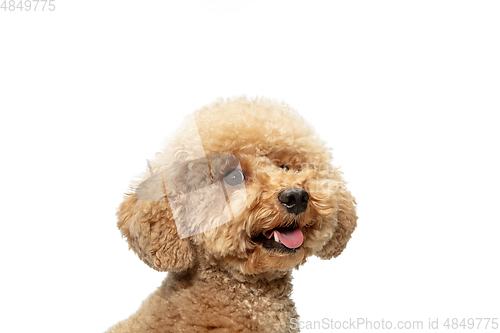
(234, 177)
(284, 167)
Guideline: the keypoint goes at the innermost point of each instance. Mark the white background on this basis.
(406, 93)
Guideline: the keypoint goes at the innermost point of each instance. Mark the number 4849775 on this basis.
(28, 5)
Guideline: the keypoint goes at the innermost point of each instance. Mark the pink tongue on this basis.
(290, 238)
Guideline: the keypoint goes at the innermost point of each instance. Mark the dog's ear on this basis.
(346, 223)
(151, 232)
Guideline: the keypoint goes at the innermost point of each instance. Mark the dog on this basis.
(243, 193)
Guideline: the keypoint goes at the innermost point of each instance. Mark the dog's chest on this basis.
(269, 314)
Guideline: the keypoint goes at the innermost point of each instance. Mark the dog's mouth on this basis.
(282, 239)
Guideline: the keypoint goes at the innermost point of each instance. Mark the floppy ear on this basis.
(346, 223)
(151, 232)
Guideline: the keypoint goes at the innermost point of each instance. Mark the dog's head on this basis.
(245, 182)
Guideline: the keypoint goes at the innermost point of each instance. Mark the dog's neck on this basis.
(210, 295)
(272, 283)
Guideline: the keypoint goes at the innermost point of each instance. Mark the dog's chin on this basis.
(274, 253)
(268, 260)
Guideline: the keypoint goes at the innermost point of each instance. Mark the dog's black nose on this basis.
(294, 199)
